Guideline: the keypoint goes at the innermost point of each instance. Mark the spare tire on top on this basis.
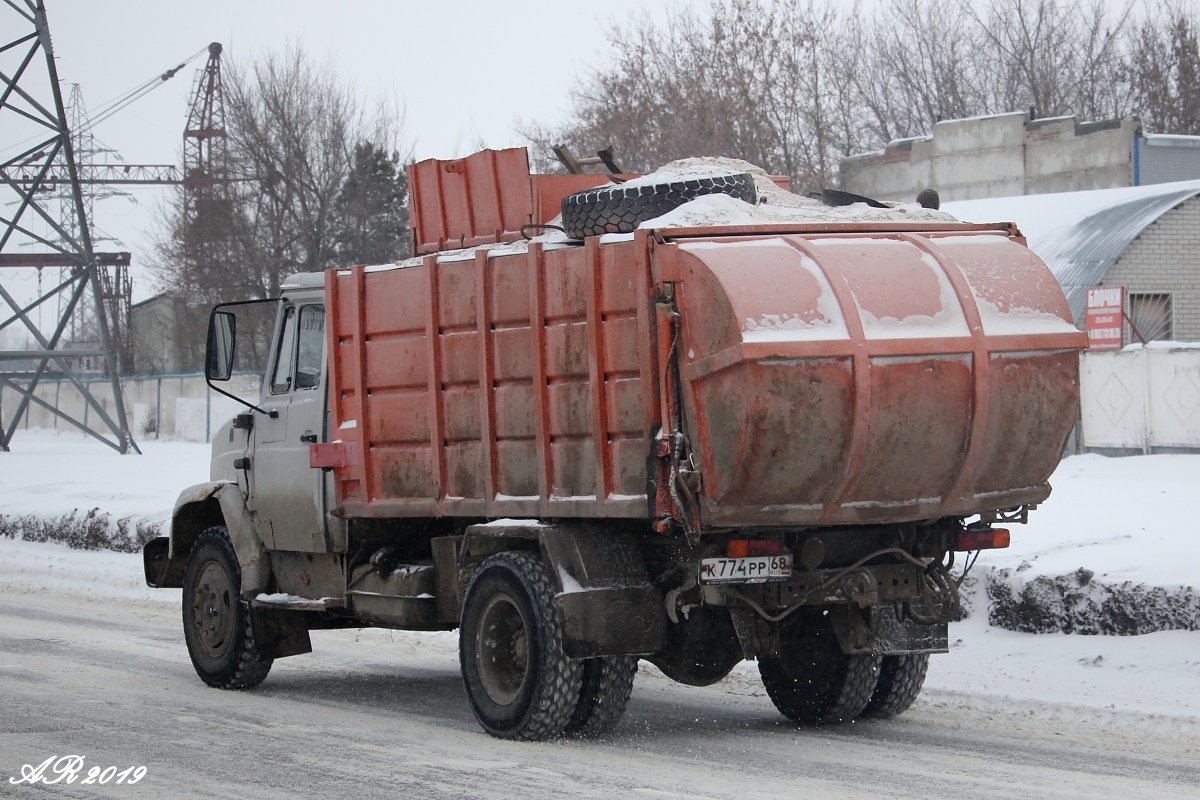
(621, 208)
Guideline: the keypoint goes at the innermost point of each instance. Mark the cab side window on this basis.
(311, 346)
(281, 375)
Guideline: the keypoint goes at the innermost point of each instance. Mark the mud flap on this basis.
(609, 606)
(701, 648)
(879, 631)
(611, 621)
(279, 633)
(160, 571)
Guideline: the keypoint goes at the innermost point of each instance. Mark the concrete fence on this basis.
(1137, 400)
(1141, 400)
(157, 407)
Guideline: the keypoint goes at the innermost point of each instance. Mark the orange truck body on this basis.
(821, 374)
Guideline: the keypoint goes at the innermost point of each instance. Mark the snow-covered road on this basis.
(377, 714)
(93, 662)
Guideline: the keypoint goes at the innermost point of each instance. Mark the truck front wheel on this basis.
(811, 680)
(520, 683)
(216, 620)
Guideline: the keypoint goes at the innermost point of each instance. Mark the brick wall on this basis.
(1166, 258)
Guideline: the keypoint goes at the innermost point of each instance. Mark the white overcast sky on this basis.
(464, 70)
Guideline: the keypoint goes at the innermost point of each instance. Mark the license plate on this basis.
(754, 569)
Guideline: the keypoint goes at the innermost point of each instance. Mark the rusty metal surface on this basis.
(873, 376)
(481, 199)
(818, 374)
(481, 387)
(484, 198)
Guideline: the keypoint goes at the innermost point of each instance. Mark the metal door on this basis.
(288, 496)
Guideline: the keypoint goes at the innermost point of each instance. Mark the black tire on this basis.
(216, 620)
(900, 681)
(620, 209)
(603, 695)
(520, 683)
(812, 680)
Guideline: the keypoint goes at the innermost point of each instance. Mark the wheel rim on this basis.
(502, 649)
(212, 607)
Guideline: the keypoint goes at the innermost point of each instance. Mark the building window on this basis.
(1150, 317)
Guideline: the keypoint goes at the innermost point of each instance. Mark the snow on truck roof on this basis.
(303, 280)
(1080, 235)
(776, 206)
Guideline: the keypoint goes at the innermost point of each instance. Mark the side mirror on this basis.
(222, 343)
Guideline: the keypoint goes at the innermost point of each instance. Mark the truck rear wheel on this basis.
(603, 695)
(216, 620)
(812, 680)
(900, 681)
(520, 683)
(620, 208)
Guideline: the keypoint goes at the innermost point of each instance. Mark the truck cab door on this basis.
(287, 495)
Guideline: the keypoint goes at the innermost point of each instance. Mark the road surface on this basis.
(377, 714)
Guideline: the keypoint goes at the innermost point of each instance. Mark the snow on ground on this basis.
(50, 474)
(1124, 519)
(1154, 674)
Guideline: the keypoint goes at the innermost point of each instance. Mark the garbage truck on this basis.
(686, 418)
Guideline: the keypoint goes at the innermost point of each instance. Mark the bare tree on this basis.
(1054, 56)
(761, 81)
(305, 157)
(1164, 71)
(920, 67)
(795, 85)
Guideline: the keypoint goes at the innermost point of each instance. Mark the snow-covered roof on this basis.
(304, 280)
(1080, 235)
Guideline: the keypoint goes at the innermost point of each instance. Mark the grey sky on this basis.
(464, 70)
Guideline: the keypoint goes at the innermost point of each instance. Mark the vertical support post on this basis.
(537, 327)
(1137, 161)
(437, 416)
(597, 371)
(487, 377)
(357, 281)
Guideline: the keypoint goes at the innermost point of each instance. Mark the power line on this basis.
(123, 100)
(111, 107)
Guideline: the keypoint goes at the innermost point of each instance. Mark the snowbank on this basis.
(49, 473)
(1112, 551)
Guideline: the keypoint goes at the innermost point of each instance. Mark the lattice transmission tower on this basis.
(36, 142)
